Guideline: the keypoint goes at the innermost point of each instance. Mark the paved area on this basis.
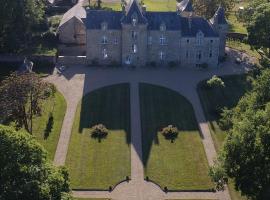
(79, 80)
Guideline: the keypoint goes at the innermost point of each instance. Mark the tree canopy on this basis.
(17, 19)
(259, 27)
(25, 171)
(21, 96)
(245, 156)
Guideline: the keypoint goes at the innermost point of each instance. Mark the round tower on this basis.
(219, 23)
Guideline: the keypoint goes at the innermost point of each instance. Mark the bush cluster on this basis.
(99, 131)
(170, 132)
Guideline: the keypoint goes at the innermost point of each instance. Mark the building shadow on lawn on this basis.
(109, 106)
(161, 107)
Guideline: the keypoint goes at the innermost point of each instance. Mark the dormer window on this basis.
(162, 27)
(104, 40)
(134, 19)
(199, 38)
(104, 26)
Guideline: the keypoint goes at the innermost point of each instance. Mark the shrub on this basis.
(215, 81)
(170, 132)
(225, 123)
(99, 131)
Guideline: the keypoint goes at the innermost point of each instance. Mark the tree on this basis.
(259, 28)
(21, 96)
(25, 171)
(245, 153)
(170, 132)
(99, 131)
(17, 19)
(215, 81)
(208, 8)
(99, 2)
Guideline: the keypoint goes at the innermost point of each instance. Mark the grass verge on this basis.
(181, 165)
(97, 164)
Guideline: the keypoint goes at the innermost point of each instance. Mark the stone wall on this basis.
(71, 60)
(95, 48)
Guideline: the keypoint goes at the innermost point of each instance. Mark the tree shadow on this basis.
(49, 126)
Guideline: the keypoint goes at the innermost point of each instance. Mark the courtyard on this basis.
(169, 97)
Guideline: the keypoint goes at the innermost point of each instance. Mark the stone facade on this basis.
(137, 37)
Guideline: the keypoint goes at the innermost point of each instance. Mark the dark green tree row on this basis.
(18, 18)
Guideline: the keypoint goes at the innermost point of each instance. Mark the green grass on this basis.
(211, 99)
(90, 199)
(151, 5)
(235, 25)
(98, 165)
(178, 165)
(57, 107)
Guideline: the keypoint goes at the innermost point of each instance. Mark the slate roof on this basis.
(76, 11)
(96, 17)
(134, 7)
(196, 24)
(219, 17)
(185, 5)
(170, 19)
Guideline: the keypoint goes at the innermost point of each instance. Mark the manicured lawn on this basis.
(178, 165)
(151, 5)
(47, 131)
(212, 99)
(98, 165)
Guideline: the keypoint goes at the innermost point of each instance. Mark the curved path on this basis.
(78, 80)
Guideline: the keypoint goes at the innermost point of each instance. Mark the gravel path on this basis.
(79, 80)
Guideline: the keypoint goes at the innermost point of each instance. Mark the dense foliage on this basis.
(215, 81)
(208, 8)
(21, 96)
(25, 172)
(99, 131)
(245, 156)
(170, 132)
(17, 21)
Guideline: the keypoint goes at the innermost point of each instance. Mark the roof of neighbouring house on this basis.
(77, 11)
(185, 6)
(219, 17)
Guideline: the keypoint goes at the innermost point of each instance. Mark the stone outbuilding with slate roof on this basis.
(135, 36)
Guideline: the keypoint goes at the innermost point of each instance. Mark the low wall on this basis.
(71, 60)
(20, 58)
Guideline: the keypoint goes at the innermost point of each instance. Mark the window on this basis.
(128, 60)
(199, 55)
(186, 54)
(187, 40)
(134, 48)
(199, 38)
(134, 19)
(104, 40)
(149, 40)
(210, 53)
(162, 40)
(162, 27)
(161, 55)
(104, 26)
(211, 41)
(115, 41)
(104, 54)
(134, 35)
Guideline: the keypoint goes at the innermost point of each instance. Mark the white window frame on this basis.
(162, 40)
(104, 26)
(104, 54)
(199, 55)
(128, 60)
(162, 55)
(134, 35)
(134, 19)
(104, 40)
(115, 41)
(199, 38)
(134, 48)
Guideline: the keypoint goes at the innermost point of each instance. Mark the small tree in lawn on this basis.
(99, 131)
(215, 82)
(20, 98)
(170, 132)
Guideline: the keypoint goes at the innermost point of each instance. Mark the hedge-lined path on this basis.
(79, 80)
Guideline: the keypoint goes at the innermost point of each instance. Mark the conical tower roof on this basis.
(219, 17)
